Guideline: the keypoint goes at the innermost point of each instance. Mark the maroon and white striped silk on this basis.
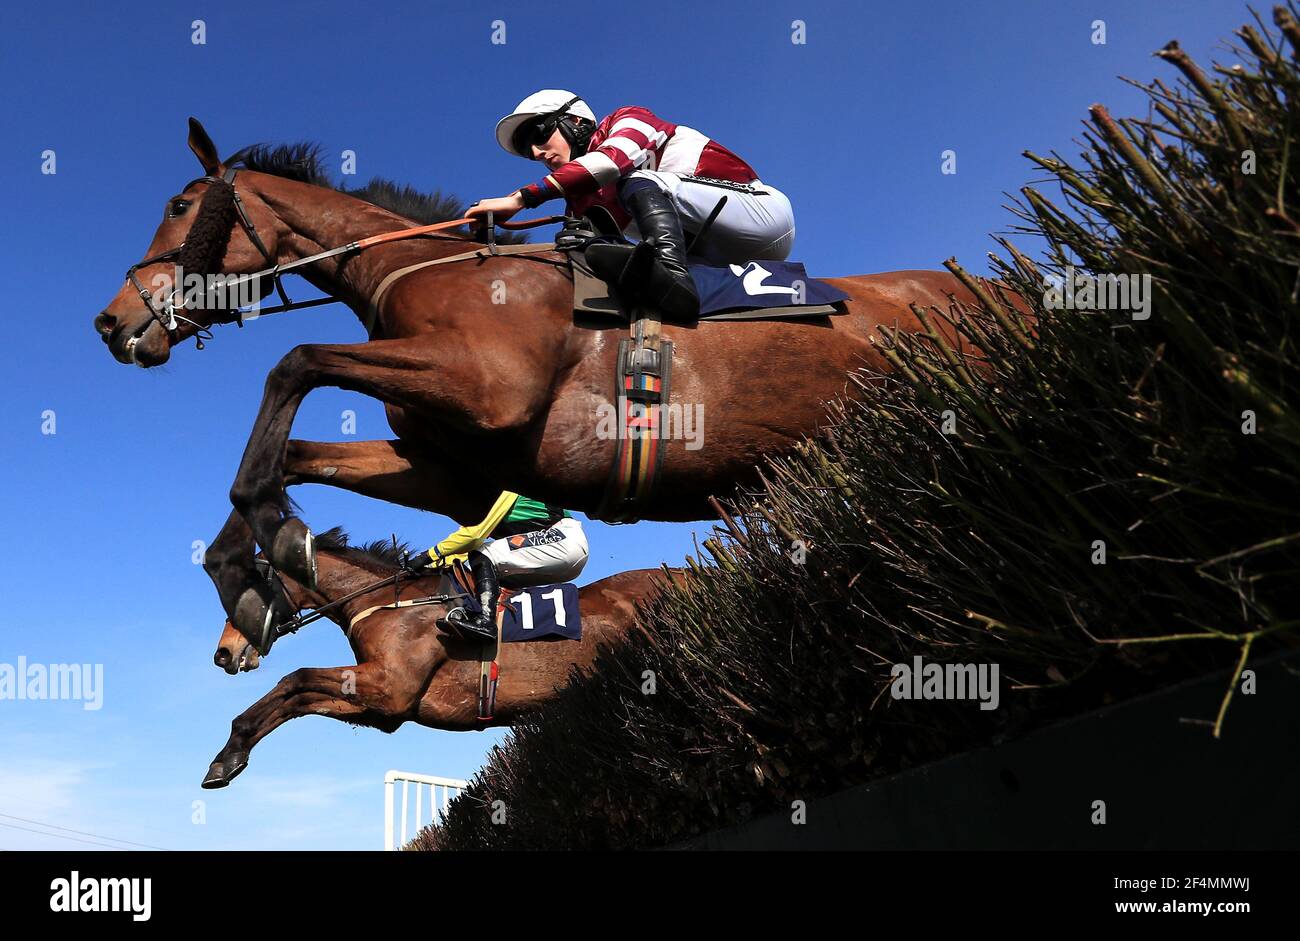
(635, 138)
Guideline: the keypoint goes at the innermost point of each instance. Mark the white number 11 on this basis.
(526, 607)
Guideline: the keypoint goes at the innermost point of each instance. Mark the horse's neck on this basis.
(337, 577)
(319, 218)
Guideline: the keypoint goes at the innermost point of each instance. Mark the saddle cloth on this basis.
(757, 290)
(543, 612)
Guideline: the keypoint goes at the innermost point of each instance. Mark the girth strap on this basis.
(642, 381)
(489, 664)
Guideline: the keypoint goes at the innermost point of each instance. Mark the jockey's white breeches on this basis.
(557, 554)
(756, 222)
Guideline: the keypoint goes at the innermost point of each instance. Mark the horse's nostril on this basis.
(222, 657)
(105, 323)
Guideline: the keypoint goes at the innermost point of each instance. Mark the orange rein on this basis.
(451, 224)
(276, 270)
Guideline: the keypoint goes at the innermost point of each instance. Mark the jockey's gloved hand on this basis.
(419, 562)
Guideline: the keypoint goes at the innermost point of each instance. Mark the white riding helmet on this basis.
(551, 104)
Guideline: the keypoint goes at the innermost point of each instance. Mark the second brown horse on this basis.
(408, 670)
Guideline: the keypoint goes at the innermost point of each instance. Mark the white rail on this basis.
(421, 781)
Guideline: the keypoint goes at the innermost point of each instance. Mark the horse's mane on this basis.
(380, 556)
(302, 162)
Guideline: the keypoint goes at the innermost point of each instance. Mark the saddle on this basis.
(757, 290)
(549, 613)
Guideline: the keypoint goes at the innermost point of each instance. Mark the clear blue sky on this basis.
(100, 517)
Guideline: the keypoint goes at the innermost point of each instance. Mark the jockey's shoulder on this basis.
(629, 111)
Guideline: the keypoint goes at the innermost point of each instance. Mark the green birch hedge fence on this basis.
(1097, 502)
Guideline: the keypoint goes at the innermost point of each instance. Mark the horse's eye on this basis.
(177, 208)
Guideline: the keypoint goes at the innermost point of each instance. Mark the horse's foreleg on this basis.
(392, 471)
(367, 694)
(252, 602)
(410, 374)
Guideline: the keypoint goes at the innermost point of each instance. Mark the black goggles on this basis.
(539, 130)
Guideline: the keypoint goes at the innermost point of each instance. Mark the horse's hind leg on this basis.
(367, 694)
(393, 471)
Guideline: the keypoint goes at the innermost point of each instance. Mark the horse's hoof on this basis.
(293, 552)
(221, 773)
(258, 614)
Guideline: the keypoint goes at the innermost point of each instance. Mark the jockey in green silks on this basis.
(521, 542)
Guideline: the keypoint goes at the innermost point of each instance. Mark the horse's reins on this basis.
(168, 318)
(299, 620)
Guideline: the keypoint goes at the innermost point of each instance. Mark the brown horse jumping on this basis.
(488, 382)
(407, 670)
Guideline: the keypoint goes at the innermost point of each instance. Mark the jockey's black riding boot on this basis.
(655, 272)
(481, 623)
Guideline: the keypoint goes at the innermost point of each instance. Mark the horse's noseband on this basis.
(166, 315)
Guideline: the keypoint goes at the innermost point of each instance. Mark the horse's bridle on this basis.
(167, 317)
(298, 620)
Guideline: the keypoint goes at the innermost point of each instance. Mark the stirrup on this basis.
(457, 622)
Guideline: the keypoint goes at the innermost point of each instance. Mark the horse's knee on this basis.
(506, 409)
(214, 566)
(503, 420)
(242, 496)
(297, 458)
(241, 730)
(225, 569)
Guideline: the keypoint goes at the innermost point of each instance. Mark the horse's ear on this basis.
(203, 148)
